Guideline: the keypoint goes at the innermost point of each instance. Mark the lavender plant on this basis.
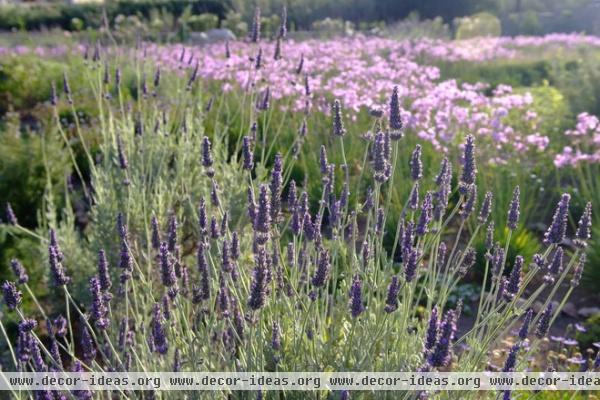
(203, 253)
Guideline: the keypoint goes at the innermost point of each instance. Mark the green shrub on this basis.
(203, 22)
(592, 334)
(477, 25)
(233, 21)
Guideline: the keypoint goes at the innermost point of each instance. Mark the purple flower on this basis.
(88, 349)
(166, 266)
(514, 210)
(60, 326)
(215, 232)
(56, 267)
(381, 163)
(555, 267)
(103, 275)
(259, 281)
(322, 271)
(413, 200)
(543, 324)
(123, 163)
(12, 296)
(583, 234)
(80, 394)
(207, 160)
(498, 261)
(416, 165)
(262, 220)
(489, 236)
(98, 309)
(442, 352)
(486, 208)
(202, 219)
(514, 281)
(558, 228)
(524, 331)
(338, 125)
(255, 32)
(223, 297)
(425, 216)
(214, 194)
(395, 117)
(276, 336)
(511, 360)
(235, 246)
(469, 165)
(432, 332)
(468, 206)
(275, 186)
(19, 271)
(411, 264)
(468, 261)
(391, 300)
(323, 163)
(300, 64)
(247, 153)
(39, 365)
(11, 218)
(159, 335)
(578, 271)
(172, 233)
(356, 304)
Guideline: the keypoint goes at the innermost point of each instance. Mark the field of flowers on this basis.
(280, 205)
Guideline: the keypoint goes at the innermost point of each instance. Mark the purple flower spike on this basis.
(19, 271)
(578, 271)
(583, 233)
(432, 332)
(103, 275)
(12, 296)
(381, 163)
(425, 216)
(514, 281)
(276, 336)
(172, 233)
(123, 163)
(56, 267)
(391, 301)
(262, 220)
(511, 360)
(543, 324)
(442, 353)
(356, 302)
(322, 272)
(207, 160)
(323, 163)
(98, 309)
(395, 117)
(259, 281)
(411, 265)
(255, 32)
(416, 165)
(11, 218)
(159, 335)
(469, 165)
(558, 228)
(486, 208)
(155, 233)
(524, 331)
(514, 210)
(275, 186)
(338, 125)
(167, 271)
(88, 348)
(247, 153)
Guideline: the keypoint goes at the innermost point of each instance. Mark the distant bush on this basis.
(477, 25)
(61, 15)
(233, 21)
(203, 22)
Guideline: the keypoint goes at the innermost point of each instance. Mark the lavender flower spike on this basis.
(255, 32)
(544, 322)
(356, 305)
(511, 360)
(514, 210)
(259, 282)
(323, 267)
(469, 165)
(98, 309)
(514, 281)
(167, 271)
(56, 267)
(557, 230)
(247, 154)
(12, 296)
(395, 117)
(432, 331)
(159, 335)
(486, 208)
(338, 125)
(416, 166)
(103, 275)
(442, 353)
(524, 331)
(391, 301)
(583, 234)
(19, 271)
(11, 218)
(262, 219)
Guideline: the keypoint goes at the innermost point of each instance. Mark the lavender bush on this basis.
(204, 254)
